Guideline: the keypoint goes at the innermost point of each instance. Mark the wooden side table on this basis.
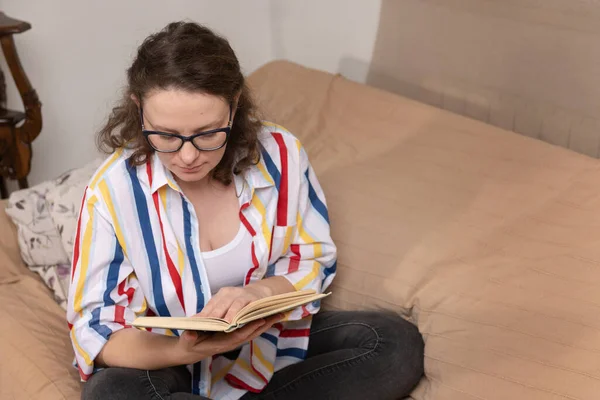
(17, 129)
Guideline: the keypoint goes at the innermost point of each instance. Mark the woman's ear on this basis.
(135, 99)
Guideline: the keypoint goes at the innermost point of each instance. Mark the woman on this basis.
(201, 209)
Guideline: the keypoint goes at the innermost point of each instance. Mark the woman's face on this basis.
(185, 113)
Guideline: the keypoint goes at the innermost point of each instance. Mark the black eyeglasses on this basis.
(165, 142)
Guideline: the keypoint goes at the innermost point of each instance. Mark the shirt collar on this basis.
(159, 176)
(258, 177)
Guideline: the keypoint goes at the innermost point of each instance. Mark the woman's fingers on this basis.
(272, 320)
(193, 338)
(224, 304)
(251, 331)
(208, 307)
(220, 308)
(268, 324)
(189, 336)
(224, 342)
(228, 302)
(216, 307)
(235, 306)
(243, 334)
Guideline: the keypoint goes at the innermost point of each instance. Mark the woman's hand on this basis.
(194, 346)
(228, 301)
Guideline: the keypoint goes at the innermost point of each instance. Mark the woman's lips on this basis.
(193, 169)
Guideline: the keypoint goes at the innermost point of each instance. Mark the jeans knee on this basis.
(400, 343)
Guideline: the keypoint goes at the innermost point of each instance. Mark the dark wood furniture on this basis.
(17, 128)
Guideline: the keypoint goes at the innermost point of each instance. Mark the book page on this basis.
(278, 307)
(256, 310)
(182, 323)
(267, 301)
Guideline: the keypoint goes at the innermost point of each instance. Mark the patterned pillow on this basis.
(46, 219)
(57, 278)
(39, 240)
(64, 201)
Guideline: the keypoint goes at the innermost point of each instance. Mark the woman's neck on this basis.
(203, 187)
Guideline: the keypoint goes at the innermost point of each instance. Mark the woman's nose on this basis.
(188, 153)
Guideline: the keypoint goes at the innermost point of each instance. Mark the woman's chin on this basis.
(190, 176)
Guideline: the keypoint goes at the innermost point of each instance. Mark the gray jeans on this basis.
(351, 355)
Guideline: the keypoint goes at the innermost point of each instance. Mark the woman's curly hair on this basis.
(189, 57)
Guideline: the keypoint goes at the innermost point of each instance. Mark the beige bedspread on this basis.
(488, 240)
(35, 352)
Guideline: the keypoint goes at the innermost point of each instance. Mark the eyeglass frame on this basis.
(146, 133)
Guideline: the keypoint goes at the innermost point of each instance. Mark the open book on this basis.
(258, 309)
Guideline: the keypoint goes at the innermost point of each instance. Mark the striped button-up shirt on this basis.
(137, 252)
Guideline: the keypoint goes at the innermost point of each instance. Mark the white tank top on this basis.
(228, 265)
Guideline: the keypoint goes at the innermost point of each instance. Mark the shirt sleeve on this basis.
(104, 290)
(311, 259)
